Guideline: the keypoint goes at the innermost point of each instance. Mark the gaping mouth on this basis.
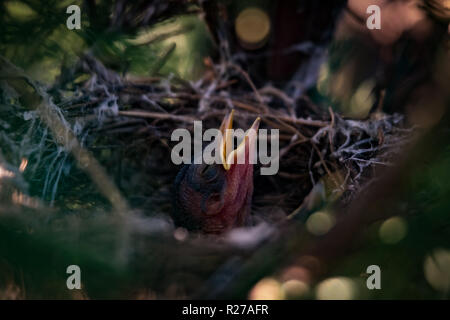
(227, 154)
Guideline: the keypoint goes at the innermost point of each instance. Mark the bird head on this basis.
(213, 198)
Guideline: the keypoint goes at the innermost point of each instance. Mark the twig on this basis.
(156, 115)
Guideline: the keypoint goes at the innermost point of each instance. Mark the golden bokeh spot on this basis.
(362, 100)
(320, 222)
(267, 289)
(339, 288)
(295, 289)
(437, 269)
(393, 230)
(19, 10)
(252, 28)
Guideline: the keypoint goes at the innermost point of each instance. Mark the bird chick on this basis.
(213, 198)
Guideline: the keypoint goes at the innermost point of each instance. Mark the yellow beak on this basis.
(229, 156)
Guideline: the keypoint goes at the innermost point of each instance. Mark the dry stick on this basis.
(168, 116)
(301, 121)
(298, 133)
(156, 115)
(226, 84)
(330, 135)
(188, 119)
(249, 80)
(239, 104)
(80, 105)
(322, 160)
(163, 36)
(281, 126)
(244, 106)
(330, 138)
(291, 176)
(290, 103)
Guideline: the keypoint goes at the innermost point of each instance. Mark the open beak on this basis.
(246, 148)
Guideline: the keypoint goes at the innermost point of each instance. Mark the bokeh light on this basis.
(393, 230)
(437, 269)
(180, 234)
(362, 100)
(339, 288)
(4, 173)
(295, 289)
(19, 10)
(267, 289)
(320, 222)
(252, 27)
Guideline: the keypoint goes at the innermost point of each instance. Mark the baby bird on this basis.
(213, 198)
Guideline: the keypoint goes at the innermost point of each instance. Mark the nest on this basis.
(139, 115)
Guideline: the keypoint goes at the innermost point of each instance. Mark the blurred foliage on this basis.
(35, 37)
